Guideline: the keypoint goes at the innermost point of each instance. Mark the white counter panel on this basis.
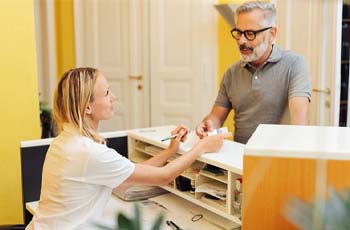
(229, 157)
(315, 142)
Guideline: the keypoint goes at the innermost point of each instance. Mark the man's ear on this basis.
(273, 34)
(88, 110)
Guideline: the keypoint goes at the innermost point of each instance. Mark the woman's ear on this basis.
(88, 110)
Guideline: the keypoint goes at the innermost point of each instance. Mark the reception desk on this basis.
(188, 209)
(283, 161)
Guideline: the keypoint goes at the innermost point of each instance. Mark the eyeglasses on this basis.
(250, 35)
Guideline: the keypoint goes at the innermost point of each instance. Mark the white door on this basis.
(158, 55)
(103, 41)
(182, 60)
(313, 29)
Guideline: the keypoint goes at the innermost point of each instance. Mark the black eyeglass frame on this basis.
(255, 32)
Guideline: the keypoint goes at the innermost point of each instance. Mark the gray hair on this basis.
(269, 9)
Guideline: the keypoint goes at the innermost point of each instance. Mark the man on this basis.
(266, 80)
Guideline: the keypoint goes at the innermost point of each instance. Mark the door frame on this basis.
(46, 49)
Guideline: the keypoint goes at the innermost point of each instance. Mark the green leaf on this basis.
(331, 214)
(100, 226)
(158, 222)
(134, 223)
(300, 213)
(124, 222)
(337, 214)
(137, 217)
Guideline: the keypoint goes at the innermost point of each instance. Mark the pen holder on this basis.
(183, 183)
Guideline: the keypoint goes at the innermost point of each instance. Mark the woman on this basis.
(80, 171)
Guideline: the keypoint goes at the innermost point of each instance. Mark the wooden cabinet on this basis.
(282, 162)
(211, 177)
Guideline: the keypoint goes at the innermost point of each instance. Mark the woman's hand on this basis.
(213, 143)
(181, 132)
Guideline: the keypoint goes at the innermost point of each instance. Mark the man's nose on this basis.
(242, 40)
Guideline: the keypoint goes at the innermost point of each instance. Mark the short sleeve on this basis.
(223, 99)
(300, 83)
(107, 167)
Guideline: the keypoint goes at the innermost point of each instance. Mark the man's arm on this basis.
(299, 92)
(213, 120)
(217, 115)
(298, 109)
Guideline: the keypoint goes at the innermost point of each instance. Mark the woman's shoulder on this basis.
(92, 146)
(77, 144)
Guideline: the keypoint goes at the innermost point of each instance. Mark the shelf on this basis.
(189, 175)
(221, 178)
(344, 61)
(219, 182)
(218, 204)
(144, 151)
(148, 149)
(215, 208)
(186, 194)
(214, 188)
(153, 149)
(139, 159)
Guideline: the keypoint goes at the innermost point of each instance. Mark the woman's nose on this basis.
(113, 97)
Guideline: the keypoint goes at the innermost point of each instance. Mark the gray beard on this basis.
(258, 52)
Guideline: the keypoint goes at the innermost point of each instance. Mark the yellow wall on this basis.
(227, 52)
(19, 101)
(64, 19)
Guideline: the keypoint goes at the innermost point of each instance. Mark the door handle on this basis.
(137, 77)
(326, 90)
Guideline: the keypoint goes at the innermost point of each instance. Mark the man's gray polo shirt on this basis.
(261, 96)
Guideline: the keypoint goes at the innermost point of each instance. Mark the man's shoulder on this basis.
(231, 71)
(234, 67)
(290, 55)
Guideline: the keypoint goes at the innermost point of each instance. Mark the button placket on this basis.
(255, 80)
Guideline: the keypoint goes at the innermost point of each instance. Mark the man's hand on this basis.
(204, 127)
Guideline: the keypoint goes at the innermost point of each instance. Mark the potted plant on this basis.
(133, 223)
(46, 122)
(331, 213)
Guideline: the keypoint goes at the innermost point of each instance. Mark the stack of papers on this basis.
(215, 189)
(138, 192)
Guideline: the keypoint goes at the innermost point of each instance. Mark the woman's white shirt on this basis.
(78, 177)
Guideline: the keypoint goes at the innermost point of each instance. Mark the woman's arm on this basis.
(151, 175)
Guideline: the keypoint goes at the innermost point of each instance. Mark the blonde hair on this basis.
(73, 93)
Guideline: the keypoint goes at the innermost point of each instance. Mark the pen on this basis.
(169, 137)
(172, 225)
(215, 131)
(172, 136)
